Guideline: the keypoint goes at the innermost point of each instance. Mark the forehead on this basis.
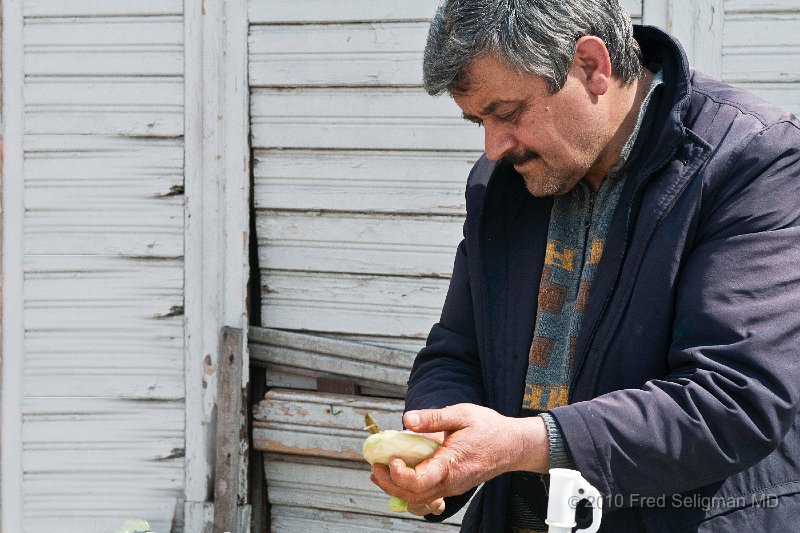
(491, 78)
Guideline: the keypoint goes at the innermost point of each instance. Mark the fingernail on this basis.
(412, 419)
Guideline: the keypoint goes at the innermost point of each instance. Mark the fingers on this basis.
(427, 477)
(417, 504)
(439, 436)
(383, 479)
(435, 507)
(422, 485)
(450, 418)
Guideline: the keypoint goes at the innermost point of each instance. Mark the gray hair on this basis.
(531, 36)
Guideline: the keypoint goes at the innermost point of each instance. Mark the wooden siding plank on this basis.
(760, 30)
(357, 243)
(369, 366)
(142, 107)
(337, 54)
(396, 182)
(287, 374)
(761, 6)
(290, 519)
(366, 119)
(298, 11)
(82, 162)
(342, 486)
(93, 31)
(319, 424)
(104, 326)
(119, 458)
(361, 305)
(118, 232)
(775, 65)
(149, 152)
(143, 60)
(382, 341)
(101, 8)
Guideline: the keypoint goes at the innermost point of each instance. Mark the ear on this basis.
(591, 56)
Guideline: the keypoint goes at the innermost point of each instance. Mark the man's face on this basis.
(552, 140)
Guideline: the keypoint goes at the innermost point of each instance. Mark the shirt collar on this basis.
(627, 148)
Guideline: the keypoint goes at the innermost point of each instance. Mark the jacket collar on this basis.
(662, 49)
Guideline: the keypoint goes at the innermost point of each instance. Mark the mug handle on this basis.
(593, 495)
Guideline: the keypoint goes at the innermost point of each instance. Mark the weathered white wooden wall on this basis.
(93, 398)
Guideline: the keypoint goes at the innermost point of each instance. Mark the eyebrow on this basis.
(489, 109)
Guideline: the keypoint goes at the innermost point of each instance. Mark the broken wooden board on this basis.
(371, 367)
(319, 425)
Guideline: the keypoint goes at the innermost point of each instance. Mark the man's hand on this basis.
(479, 445)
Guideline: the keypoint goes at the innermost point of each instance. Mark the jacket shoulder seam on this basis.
(735, 105)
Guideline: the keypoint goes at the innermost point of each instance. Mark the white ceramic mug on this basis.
(567, 488)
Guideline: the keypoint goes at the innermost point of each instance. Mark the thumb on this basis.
(434, 420)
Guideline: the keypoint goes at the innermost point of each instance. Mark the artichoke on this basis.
(411, 447)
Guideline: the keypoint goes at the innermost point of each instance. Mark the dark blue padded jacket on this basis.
(684, 404)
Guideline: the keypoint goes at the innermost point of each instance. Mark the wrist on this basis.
(533, 450)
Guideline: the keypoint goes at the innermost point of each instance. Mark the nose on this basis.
(498, 140)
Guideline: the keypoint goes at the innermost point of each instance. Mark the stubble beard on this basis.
(541, 183)
(552, 183)
(548, 181)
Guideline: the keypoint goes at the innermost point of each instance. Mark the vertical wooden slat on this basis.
(230, 483)
(13, 307)
(217, 217)
(201, 284)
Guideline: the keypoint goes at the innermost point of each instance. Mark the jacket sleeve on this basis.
(733, 388)
(447, 370)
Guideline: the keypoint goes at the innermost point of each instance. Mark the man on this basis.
(625, 300)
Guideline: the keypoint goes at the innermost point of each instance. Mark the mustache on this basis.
(521, 157)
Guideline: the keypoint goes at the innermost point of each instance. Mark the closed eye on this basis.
(512, 116)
